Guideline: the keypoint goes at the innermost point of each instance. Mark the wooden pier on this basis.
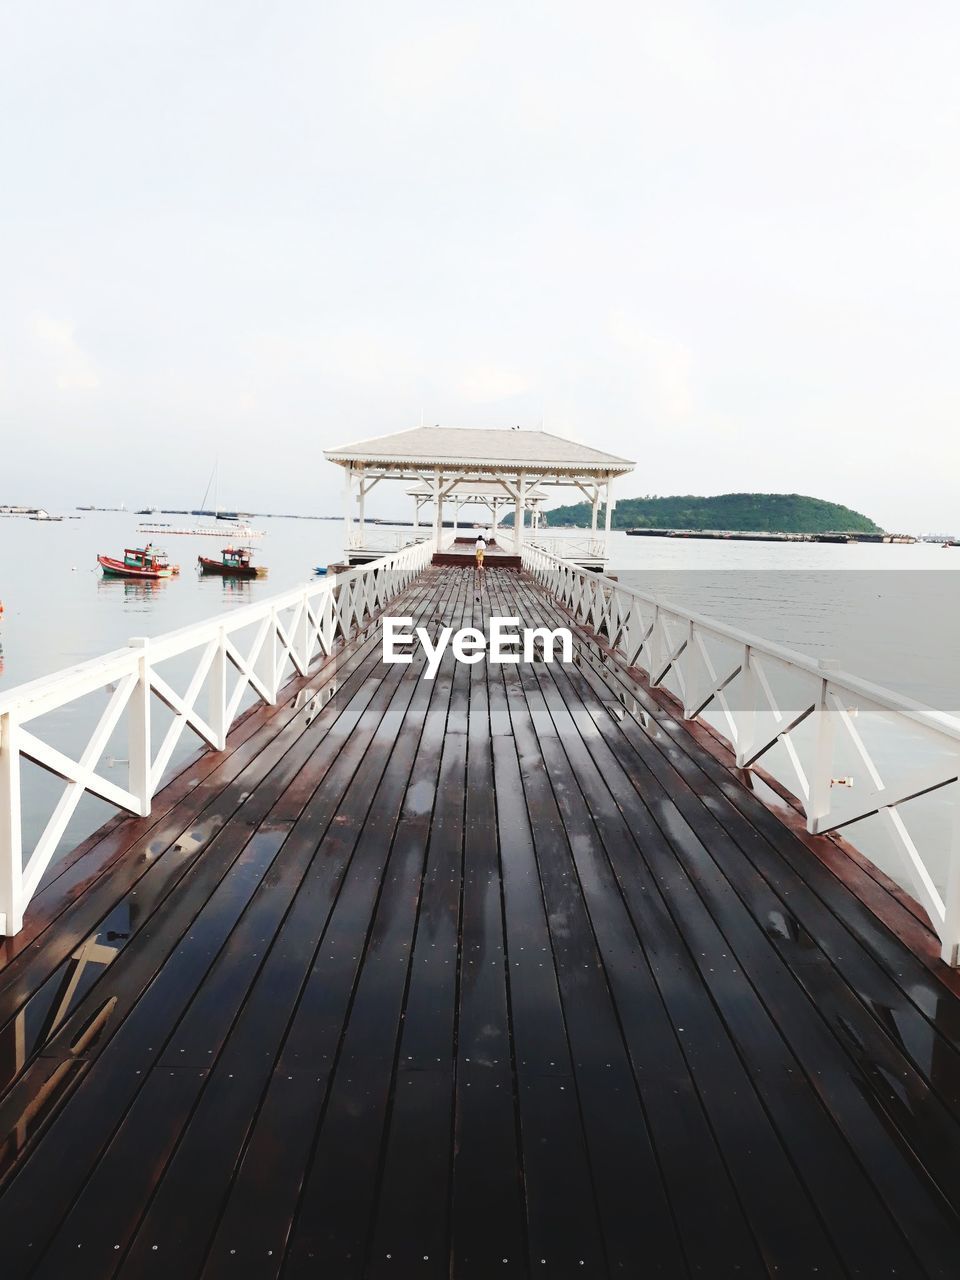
(484, 976)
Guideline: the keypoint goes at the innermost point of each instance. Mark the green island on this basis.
(753, 512)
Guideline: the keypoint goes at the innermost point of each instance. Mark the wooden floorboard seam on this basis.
(315, 840)
(339, 711)
(873, 976)
(594, 710)
(479, 978)
(248, 753)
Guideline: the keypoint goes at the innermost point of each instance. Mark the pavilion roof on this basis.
(490, 448)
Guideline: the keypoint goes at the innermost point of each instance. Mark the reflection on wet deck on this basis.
(504, 973)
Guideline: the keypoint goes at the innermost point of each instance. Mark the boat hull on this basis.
(225, 571)
(117, 569)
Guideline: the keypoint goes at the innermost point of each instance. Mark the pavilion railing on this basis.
(376, 538)
(853, 750)
(566, 546)
(284, 634)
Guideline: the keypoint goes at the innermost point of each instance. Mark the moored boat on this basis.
(234, 562)
(138, 562)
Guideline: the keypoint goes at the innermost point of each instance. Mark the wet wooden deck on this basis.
(470, 978)
(461, 552)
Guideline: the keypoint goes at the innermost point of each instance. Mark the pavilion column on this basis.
(348, 502)
(416, 515)
(437, 508)
(456, 517)
(518, 517)
(609, 512)
(360, 513)
(596, 505)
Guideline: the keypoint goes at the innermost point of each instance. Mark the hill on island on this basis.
(753, 512)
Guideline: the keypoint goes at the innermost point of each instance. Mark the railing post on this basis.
(327, 621)
(11, 836)
(266, 664)
(140, 747)
(818, 804)
(653, 647)
(688, 709)
(950, 939)
(217, 686)
(746, 720)
(302, 642)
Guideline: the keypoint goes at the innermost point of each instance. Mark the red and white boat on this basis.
(138, 562)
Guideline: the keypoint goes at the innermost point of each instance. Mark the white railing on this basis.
(376, 538)
(853, 750)
(566, 547)
(292, 630)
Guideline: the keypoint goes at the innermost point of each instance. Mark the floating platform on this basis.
(492, 975)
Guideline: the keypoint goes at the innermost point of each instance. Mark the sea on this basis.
(887, 613)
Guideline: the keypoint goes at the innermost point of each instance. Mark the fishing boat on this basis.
(138, 562)
(234, 562)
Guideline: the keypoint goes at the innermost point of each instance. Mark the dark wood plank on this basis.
(264, 1198)
(487, 1211)
(563, 1227)
(754, 847)
(348, 1125)
(183, 797)
(411, 1224)
(713, 1229)
(474, 975)
(902, 965)
(634, 1210)
(141, 1035)
(333, 1219)
(168, 848)
(317, 866)
(35, 1201)
(810, 1144)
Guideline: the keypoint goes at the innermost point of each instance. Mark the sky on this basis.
(719, 238)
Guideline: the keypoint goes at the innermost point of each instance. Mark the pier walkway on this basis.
(483, 976)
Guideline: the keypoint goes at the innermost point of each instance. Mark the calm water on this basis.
(888, 613)
(58, 609)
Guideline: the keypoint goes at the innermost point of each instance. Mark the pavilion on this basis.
(517, 463)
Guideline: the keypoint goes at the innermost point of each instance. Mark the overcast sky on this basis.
(719, 238)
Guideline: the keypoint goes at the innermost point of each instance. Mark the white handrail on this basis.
(567, 546)
(295, 626)
(377, 538)
(712, 664)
